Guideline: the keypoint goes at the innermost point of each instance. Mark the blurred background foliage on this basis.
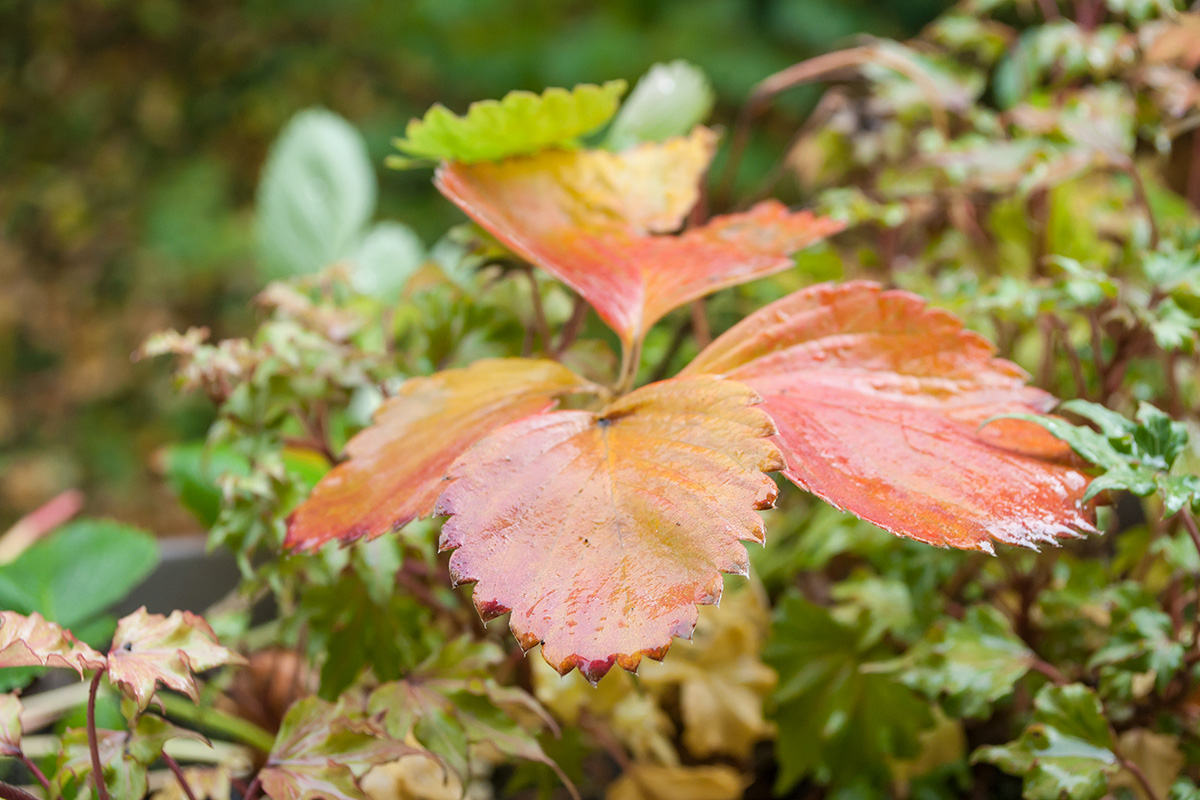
(133, 132)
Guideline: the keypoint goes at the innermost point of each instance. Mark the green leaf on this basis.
(385, 260)
(1144, 640)
(971, 664)
(192, 470)
(669, 100)
(519, 124)
(80, 570)
(1066, 753)
(321, 751)
(316, 195)
(450, 703)
(124, 755)
(839, 717)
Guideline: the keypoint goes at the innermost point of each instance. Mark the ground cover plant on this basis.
(912, 467)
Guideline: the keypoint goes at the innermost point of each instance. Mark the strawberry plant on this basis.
(809, 420)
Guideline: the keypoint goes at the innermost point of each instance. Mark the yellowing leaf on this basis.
(10, 725)
(591, 219)
(148, 649)
(412, 778)
(651, 782)
(879, 402)
(722, 682)
(1157, 755)
(206, 783)
(33, 642)
(602, 531)
(395, 467)
(523, 122)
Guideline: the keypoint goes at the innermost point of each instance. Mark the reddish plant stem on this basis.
(1081, 387)
(37, 773)
(1132, 768)
(173, 765)
(255, 788)
(573, 328)
(8, 792)
(1136, 771)
(93, 740)
(539, 313)
(1189, 523)
(1049, 670)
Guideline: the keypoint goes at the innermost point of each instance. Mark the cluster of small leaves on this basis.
(1136, 455)
(147, 651)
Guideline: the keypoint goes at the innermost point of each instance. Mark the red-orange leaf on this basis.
(601, 532)
(395, 467)
(879, 401)
(590, 218)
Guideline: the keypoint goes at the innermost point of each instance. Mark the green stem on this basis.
(217, 721)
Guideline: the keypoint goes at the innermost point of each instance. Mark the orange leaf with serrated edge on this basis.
(395, 467)
(590, 217)
(879, 402)
(149, 649)
(602, 531)
(34, 642)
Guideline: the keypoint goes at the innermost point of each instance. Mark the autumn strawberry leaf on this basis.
(879, 402)
(521, 123)
(600, 222)
(602, 531)
(149, 649)
(322, 750)
(33, 642)
(394, 469)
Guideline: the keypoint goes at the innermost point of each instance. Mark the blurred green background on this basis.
(132, 133)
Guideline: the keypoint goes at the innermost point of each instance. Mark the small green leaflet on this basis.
(521, 123)
(1066, 753)
(1136, 455)
(971, 664)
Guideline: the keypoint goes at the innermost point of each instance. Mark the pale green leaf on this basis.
(519, 124)
(316, 195)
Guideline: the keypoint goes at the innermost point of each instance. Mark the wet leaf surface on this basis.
(601, 532)
(879, 401)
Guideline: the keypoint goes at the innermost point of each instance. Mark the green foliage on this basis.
(520, 123)
(1066, 753)
(1136, 455)
(971, 664)
(78, 571)
(839, 716)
